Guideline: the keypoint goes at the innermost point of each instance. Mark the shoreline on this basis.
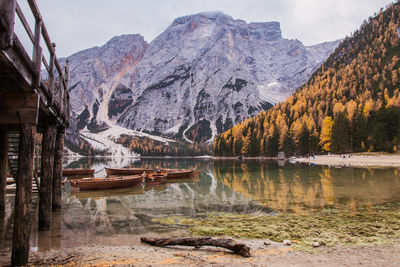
(275, 254)
(337, 160)
(352, 160)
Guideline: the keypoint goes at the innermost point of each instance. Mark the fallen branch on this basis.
(227, 243)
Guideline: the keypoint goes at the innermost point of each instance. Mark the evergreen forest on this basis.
(351, 103)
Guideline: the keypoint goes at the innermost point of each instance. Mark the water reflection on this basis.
(120, 216)
(298, 188)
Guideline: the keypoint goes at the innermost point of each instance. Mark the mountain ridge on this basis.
(204, 73)
(350, 104)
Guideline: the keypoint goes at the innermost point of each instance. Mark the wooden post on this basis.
(51, 74)
(57, 171)
(2, 230)
(66, 94)
(23, 196)
(7, 16)
(46, 175)
(3, 170)
(37, 52)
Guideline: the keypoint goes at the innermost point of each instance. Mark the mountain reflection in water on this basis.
(121, 216)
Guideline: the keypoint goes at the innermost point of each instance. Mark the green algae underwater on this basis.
(329, 227)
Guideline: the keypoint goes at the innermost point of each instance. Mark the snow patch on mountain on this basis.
(107, 140)
(208, 70)
(203, 74)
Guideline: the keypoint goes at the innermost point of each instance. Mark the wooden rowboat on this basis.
(176, 173)
(108, 183)
(155, 178)
(126, 171)
(71, 172)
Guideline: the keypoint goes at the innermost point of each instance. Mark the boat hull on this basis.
(175, 174)
(108, 183)
(72, 172)
(155, 178)
(126, 171)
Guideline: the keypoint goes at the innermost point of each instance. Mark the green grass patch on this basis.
(328, 227)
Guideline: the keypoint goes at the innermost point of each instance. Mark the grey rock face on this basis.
(95, 72)
(203, 74)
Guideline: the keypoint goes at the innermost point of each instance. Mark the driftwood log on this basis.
(227, 243)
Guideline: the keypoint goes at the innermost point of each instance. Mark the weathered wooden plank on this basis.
(24, 22)
(47, 40)
(37, 53)
(23, 71)
(46, 175)
(34, 9)
(57, 172)
(3, 231)
(46, 65)
(18, 64)
(3, 170)
(66, 106)
(60, 72)
(17, 107)
(51, 74)
(7, 16)
(23, 197)
(18, 115)
(15, 99)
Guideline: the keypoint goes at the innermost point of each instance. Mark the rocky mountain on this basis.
(350, 104)
(203, 74)
(96, 72)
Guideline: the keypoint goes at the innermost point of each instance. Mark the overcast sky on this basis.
(80, 24)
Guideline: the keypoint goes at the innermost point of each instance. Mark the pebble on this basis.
(236, 235)
(287, 242)
(315, 244)
(267, 242)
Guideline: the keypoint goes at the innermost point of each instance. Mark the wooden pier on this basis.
(33, 99)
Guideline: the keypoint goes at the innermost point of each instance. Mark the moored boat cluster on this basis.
(126, 177)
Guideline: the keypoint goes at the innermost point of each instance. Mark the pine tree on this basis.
(326, 134)
(341, 138)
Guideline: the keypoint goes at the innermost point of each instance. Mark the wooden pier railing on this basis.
(44, 76)
(33, 98)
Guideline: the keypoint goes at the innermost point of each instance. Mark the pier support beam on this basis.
(46, 175)
(3, 170)
(23, 196)
(57, 171)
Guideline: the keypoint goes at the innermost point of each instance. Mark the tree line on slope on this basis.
(149, 147)
(350, 104)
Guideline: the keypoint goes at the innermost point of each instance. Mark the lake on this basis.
(121, 216)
